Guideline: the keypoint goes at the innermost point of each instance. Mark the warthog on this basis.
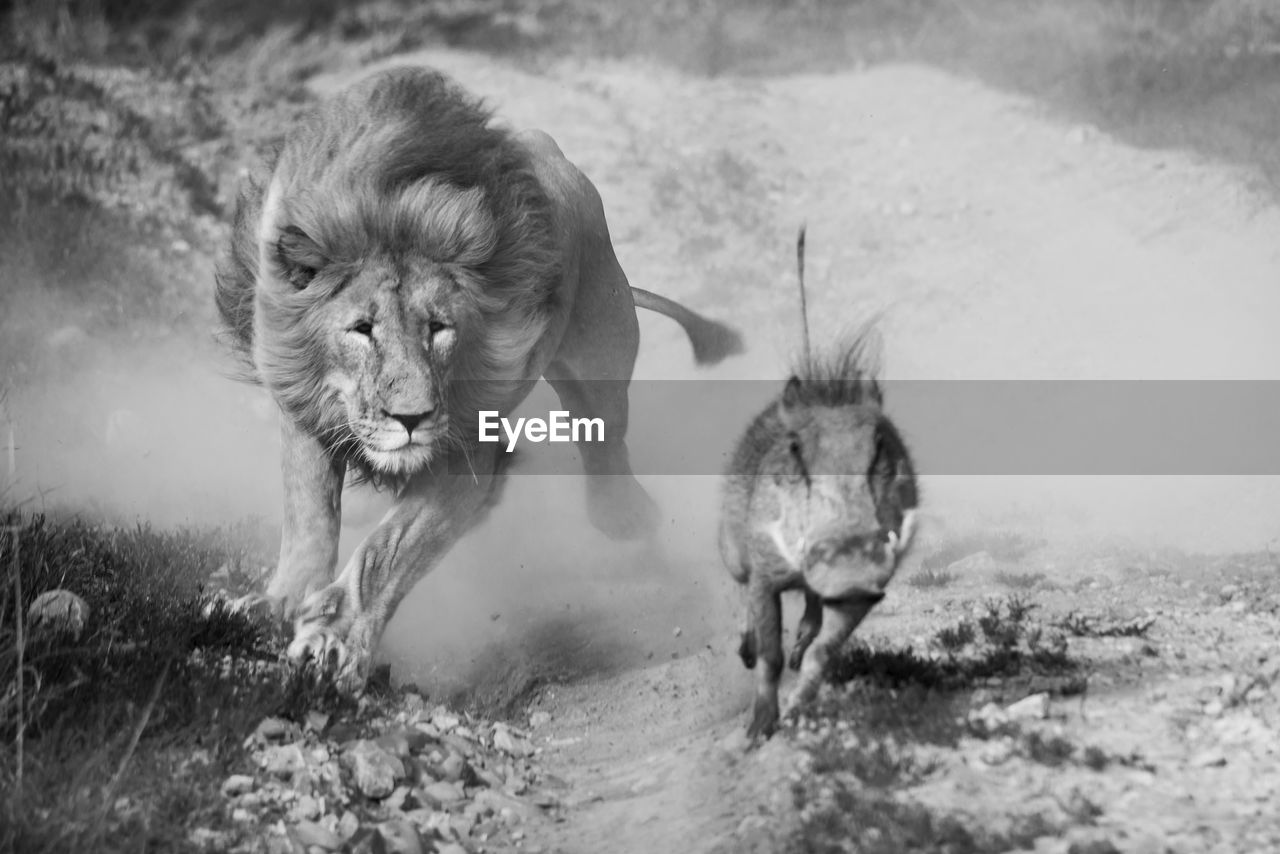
(820, 497)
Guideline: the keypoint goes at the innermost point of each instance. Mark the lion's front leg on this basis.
(312, 517)
(343, 623)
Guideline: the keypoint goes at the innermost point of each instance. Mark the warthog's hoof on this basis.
(764, 719)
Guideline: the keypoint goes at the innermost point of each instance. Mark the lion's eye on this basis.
(364, 328)
(435, 326)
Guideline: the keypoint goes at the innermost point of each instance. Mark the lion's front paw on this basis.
(332, 639)
(332, 652)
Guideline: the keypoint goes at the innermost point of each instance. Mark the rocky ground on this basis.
(417, 780)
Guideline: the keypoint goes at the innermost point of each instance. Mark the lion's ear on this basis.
(298, 256)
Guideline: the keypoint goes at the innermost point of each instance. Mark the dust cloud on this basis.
(993, 242)
(141, 432)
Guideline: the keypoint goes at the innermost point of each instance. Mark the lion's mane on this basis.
(403, 166)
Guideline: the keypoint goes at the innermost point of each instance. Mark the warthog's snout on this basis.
(854, 564)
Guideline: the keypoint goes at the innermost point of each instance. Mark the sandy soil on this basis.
(997, 243)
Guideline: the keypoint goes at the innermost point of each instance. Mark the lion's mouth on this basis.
(397, 451)
(407, 459)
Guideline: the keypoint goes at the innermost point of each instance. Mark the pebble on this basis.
(1034, 707)
(375, 771)
(1208, 758)
(313, 833)
(442, 793)
(236, 785)
(401, 837)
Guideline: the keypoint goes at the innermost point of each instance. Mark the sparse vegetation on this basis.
(150, 705)
(1019, 580)
(901, 699)
(930, 578)
(1092, 626)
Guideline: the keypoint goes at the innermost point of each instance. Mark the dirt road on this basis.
(998, 243)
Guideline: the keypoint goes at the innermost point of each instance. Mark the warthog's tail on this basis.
(712, 341)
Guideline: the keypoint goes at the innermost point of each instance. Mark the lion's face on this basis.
(391, 336)
(391, 339)
(385, 335)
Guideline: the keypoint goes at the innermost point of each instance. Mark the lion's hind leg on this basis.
(616, 502)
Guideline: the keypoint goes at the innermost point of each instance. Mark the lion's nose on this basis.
(410, 420)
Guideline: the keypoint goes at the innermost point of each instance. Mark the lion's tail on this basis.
(712, 341)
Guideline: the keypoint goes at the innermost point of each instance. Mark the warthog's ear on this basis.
(791, 394)
(790, 401)
(298, 256)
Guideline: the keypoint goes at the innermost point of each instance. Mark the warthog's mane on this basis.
(403, 166)
(845, 376)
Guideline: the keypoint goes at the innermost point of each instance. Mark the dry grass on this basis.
(118, 739)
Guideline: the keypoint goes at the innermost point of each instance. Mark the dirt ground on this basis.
(994, 242)
(997, 243)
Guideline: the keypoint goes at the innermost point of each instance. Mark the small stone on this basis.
(455, 768)
(503, 740)
(1213, 708)
(545, 800)
(348, 825)
(988, 718)
(282, 760)
(210, 840)
(275, 729)
(458, 744)
(401, 837)
(396, 743)
(538, 719)
(236, 785)
(396, 800)
(375, 771)
(676, 632)
(442, 720)
(441, 793)
(450, 848)
(316, 721)
(1034, 707)
(498, 802)
(367, 841)
(996, 752)
(490, 778)
(1208, 758)
(307, 808)
(310, 833)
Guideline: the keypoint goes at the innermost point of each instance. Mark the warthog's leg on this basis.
(766, 616)
(839, 619)
(808, 629)
(347, 618)
(312, 517)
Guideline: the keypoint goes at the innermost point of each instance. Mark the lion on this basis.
(403, 263)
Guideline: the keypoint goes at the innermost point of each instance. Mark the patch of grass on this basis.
(955, 638)
(1020, 580)
(1094, 626)
(929, 578)
(129, 729)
